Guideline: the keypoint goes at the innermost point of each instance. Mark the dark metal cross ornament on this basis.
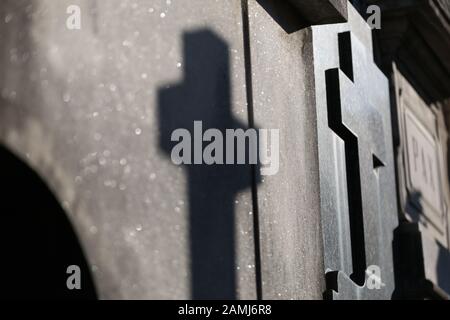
(358, 124)
(357, 177)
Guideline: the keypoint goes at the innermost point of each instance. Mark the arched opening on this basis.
(37, 241)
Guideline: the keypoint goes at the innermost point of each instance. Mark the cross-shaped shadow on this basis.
(204, 95)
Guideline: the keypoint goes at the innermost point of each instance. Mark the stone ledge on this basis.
(322, 11)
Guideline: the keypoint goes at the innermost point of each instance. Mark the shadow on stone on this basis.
(204, 95)
(409, 262)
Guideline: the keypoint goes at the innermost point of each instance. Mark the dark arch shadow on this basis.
(37, 241)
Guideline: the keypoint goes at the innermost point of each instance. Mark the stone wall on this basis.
(92, 112)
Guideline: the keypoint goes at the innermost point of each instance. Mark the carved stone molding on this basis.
(416, 35)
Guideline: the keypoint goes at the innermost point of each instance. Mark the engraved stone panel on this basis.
(421, 161)
(423, 166)
(422, 240)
